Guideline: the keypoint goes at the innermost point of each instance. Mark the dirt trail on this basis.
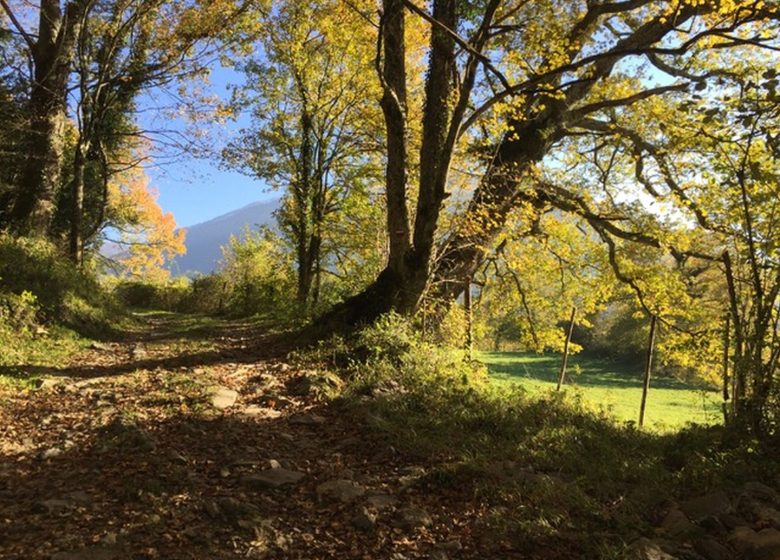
(192, 438)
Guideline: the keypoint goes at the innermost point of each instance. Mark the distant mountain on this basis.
(205, 240)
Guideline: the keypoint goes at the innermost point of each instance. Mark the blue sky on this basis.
(197, 189)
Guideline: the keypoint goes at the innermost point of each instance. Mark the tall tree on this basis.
(51, 52)
(313, 134)
(539, 70)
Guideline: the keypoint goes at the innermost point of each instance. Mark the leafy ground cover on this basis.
(611, 386)
(189, 437)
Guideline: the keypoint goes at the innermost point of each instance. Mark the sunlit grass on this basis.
(612, 386)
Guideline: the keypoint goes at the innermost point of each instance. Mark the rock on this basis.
(273, 478)
(223, 398)
(709, 505)
(381, 502)
(711, 549)
(235, 512)
(645, 549)
(274, 464)
(761, 492)
(342, 490)
(731, 521)
(52, 506)
(51, 453)
(261, 411)
(102, 552)
(313, 383)
(450, 546)
(99, 346)
(138, 353)
(412, 518)
(47, 384)
(676, 524)
(761, 545)
(364, 519)
(78, 497)
(274, 401)
(308, 419)
(176, 457)
(766, 516)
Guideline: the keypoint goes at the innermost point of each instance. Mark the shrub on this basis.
(37, 280)
(166, 296)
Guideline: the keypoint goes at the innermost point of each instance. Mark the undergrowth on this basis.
(552, 470)
(46, 306)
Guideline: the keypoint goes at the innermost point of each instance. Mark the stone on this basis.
(766, 516)
(261, 411)
(101, 552)
(313, 383)
(138, 353)
(711, 549)
(47, 384)
(731, 521)
(412, 518)
(51, 453)
(646, 549)
(237, 513)
(341, 490)
(176, 457)
(450, 546)
(99, 346)
(52, 506)
(761, 491)
(223, 398)
(761, 545)
(364, 519)
(273, 478)
(274, 401)
(381, 502)
(274, 464)
(308, 419)
(676, 524)
(709, 505)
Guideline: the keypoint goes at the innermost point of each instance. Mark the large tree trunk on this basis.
(34, 204)
(77, 208)
(393, 102)
(400, 287)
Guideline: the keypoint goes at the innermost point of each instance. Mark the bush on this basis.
(37, 280)
(19, 312)
(167, 296)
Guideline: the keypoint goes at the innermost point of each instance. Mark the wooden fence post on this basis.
(469, 320)
(726, 343)
(648, 369)
(565, 361)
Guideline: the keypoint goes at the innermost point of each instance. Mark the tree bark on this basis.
(34, 204)
(393, 103)
(77, 208)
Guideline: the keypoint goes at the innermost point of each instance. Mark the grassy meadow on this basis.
(615, 387)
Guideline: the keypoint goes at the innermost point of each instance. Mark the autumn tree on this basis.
(313, 134)
(516, 80)
(93, 58)
(147, 236)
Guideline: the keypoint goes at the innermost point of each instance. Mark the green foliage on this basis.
(36, 279)
(257, 276)
(531, 457)
(165, 295)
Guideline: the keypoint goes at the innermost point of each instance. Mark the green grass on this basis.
(615, 387)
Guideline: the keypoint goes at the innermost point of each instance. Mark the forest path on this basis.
(192, 438)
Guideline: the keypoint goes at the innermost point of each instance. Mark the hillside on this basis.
(205, 240)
